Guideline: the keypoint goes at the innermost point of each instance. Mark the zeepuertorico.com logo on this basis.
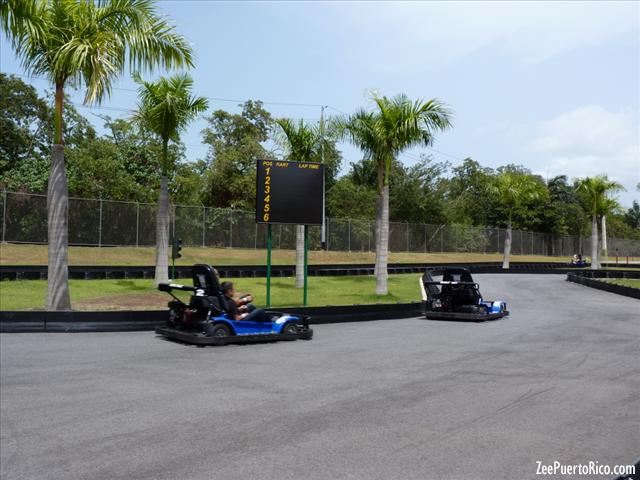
(590, 468)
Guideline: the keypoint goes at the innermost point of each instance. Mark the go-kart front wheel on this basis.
(290, 329)
(218, 331)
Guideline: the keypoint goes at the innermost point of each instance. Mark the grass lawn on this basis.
(15, 254)
(141, 295)
(627, 282)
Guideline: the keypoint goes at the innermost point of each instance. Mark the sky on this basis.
(553, 86)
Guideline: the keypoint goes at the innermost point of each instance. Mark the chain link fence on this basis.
(94, 222)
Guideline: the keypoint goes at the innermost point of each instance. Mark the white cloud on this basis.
(443, 32)
(588, 141)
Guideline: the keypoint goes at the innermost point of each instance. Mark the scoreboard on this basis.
(289, 192)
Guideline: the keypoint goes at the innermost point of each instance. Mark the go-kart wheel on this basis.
(290, 329)
(218, 331)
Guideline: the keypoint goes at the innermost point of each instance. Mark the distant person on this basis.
(248, 313)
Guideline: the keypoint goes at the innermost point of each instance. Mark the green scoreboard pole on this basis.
(268, 265)
(306, 262)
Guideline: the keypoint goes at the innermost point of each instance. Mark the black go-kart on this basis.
(203, 321)
(457, 297)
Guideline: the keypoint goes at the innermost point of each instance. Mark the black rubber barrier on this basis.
(606, 273)
(606, 286)
(138, 320)
(620, 264)
(39, 272)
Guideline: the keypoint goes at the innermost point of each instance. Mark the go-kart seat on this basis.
(206, 278)
(460, 294)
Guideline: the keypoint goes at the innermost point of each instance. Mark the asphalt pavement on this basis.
(558, 380)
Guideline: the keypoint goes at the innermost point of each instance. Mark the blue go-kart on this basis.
(203, 321)
(457, 297)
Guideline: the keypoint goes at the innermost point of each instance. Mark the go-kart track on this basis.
(400, 399)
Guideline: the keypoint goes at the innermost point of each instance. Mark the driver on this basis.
(245, 311)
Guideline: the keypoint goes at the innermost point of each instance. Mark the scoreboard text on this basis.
(289, 192)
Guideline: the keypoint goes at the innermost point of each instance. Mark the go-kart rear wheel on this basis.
(290, 329)
(219, 331)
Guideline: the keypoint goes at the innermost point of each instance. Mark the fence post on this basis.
(407, 237)
(484, 243)
(425, 238)
(100, 225)
(4, 215)
(230, 228)
(369, 234)
(255, 236)
(173, 208)
(137, 223)
(204, 225)
(442, 240)
(349, 235)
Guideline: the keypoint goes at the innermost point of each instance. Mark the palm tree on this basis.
(85, 43)
(166, 107)
(301, 142)
(395, 125)
(512, 190)
(593, 191)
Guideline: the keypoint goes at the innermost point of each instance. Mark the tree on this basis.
(166, 107)
(300, 142)
(594, 191)
(564, 214)
(26, 121)
(632, 216)
(467, 201)
(83, 43)
(235, 142)
(511, 191)
(348, 199)
(23, 121)
(395, 125)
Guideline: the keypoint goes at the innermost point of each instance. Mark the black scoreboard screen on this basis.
(289, 192)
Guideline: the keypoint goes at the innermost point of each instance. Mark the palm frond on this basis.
(299, 140)
(92, 41)
(395, 125)
(167, 106)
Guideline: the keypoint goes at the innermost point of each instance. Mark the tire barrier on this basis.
(137, 320)
(606, 273)
(39, 272)
(593, 282)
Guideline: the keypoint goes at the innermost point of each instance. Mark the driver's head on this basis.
(227, 289)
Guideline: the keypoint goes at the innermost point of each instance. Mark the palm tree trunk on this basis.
(58, 218)
(377, 231)
(594, 242)
(162, 222)
(299, 256)
(383, 253)
(603, 236)
(507, 247)
(379, 208)
(162, 233)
